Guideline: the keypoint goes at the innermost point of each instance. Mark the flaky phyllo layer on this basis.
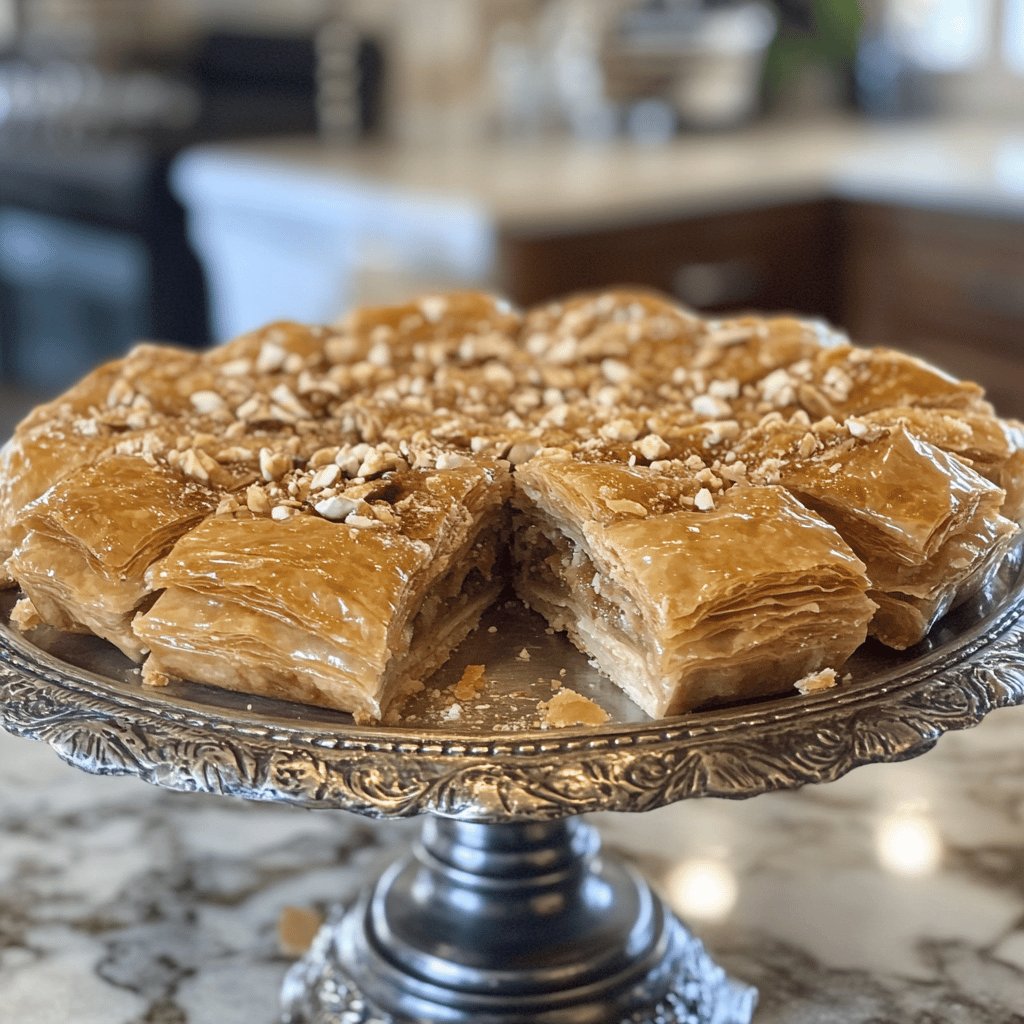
(711, 510)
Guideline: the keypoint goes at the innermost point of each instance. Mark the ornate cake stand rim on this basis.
(102, 726)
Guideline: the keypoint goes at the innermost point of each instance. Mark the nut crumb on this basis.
(703, 500)
(523, 655)
(471, 682)
(296, 929)
(816, 682)
(256, 499)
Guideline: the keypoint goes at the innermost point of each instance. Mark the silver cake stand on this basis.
(505, 910)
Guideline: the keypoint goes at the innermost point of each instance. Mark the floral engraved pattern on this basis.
(736, 752)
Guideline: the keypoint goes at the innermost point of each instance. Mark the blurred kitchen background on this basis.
(185, 170)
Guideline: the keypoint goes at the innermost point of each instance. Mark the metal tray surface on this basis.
(494, 762)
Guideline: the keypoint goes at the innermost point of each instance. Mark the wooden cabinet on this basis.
(948, 286)
(781, 258)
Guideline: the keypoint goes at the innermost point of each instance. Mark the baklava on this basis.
(711, 509)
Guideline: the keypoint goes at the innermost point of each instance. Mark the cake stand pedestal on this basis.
(494, 924)
(506, 910)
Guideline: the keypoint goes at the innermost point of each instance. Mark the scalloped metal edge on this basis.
(735, 753)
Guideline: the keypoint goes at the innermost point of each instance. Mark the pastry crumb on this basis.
(492, 629)
(154, 677)
(296, 929)
(24, 615)
(523, 655)
(568, 707)
(471, 682)
(817, 681)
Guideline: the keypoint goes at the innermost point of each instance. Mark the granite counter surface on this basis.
(894, 896)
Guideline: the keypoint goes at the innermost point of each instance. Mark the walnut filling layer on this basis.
(557, 578)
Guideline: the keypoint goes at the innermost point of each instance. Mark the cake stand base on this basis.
(495, 924)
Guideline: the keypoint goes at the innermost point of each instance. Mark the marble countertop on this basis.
(558, 185)
(894, 896)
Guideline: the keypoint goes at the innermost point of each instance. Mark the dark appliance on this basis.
(93, 248)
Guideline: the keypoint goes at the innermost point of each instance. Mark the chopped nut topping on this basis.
(652, 447)
(336, 508)
(256, 499)
(326, 477)
(236, 368)
(778, 388)
(522, 452)
(620, 430)
(274, 465)
(359, 521)
(711, 407)
(808, 446)
(615, 371)
(197, 465)
(271, 358)
(207, 402)
(450, 460)
(724, 334)
(722, 430)
(322, 457)
(235, 454)
(703, 500)
(227, 505)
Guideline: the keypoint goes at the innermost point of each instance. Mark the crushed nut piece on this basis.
(274, 465)
(256, 499)
(703, 500)
(336, 508)
(652, 447)
(206, 402)
(296, 929)
(817, 681)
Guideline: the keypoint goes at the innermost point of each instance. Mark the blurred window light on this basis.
(943, 35)
(908, 844)
(702, 889)
(1013, 35)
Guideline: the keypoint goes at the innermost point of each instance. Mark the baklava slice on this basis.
(926, 525)
(991, 446)
(679, 599)
(849, 381)
(87, 542)
(348, 608)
